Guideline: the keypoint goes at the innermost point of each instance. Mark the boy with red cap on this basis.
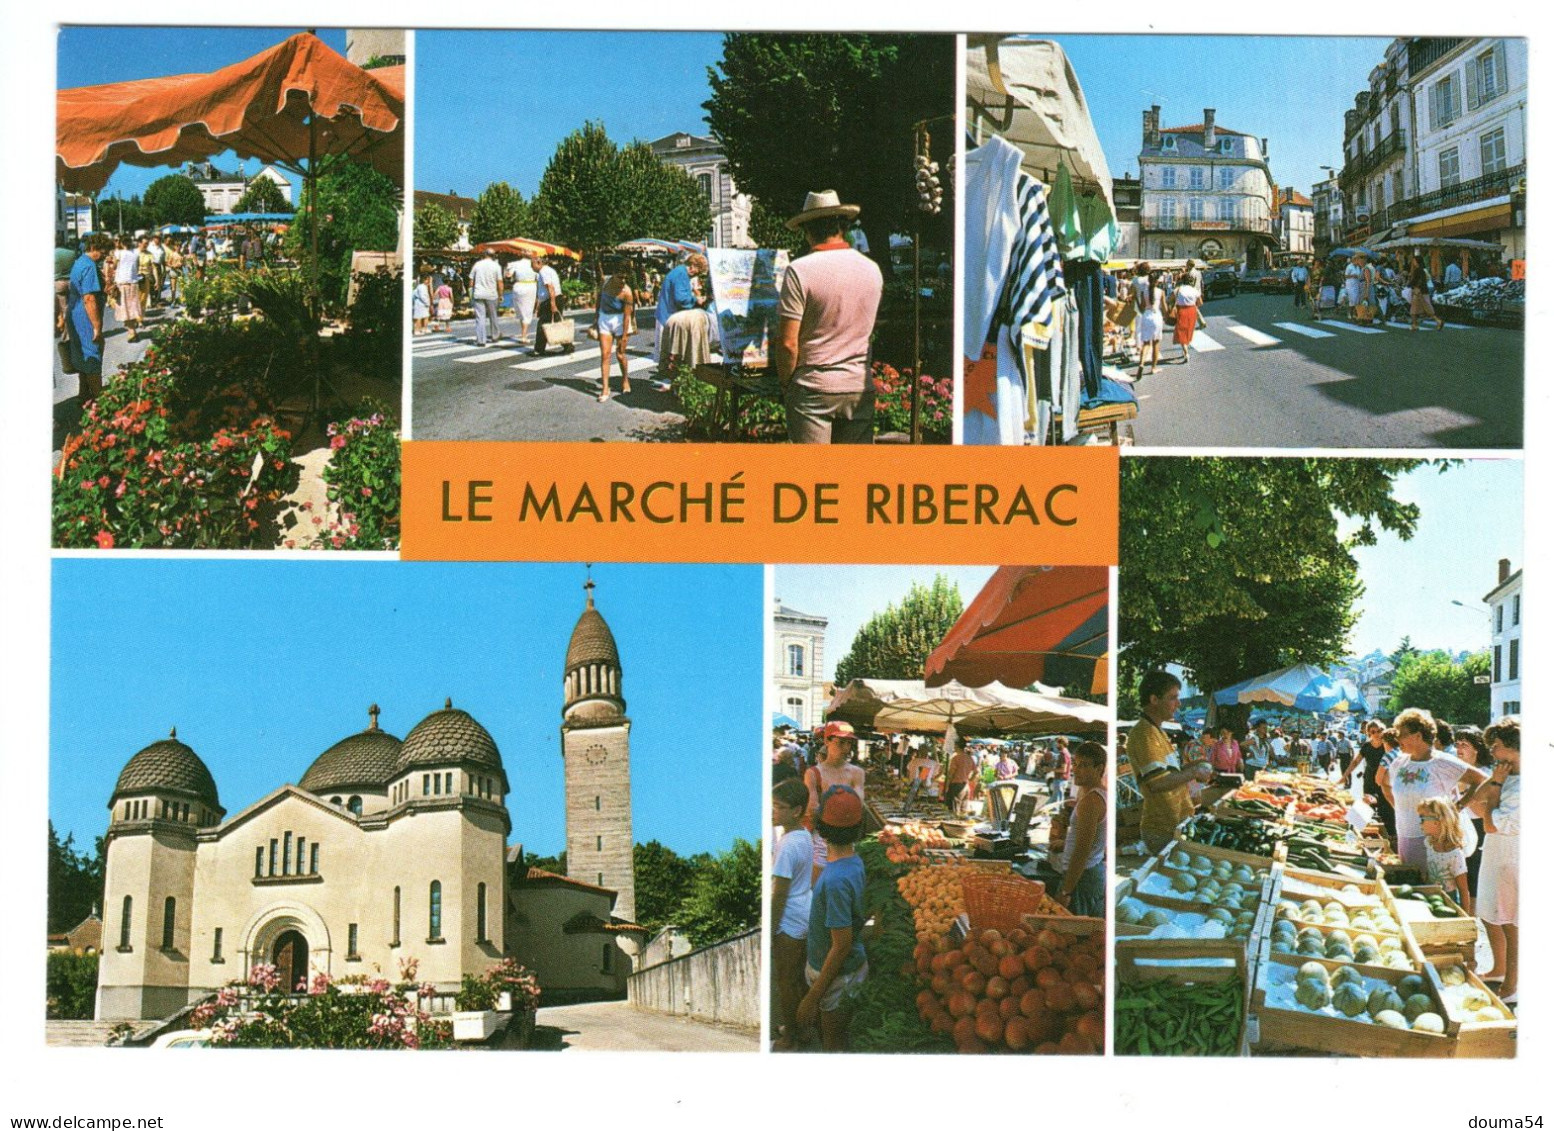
(835, 964)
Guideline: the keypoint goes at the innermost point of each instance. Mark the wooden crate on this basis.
(1081, 926)
(1181, 961)
(1475, 1039)
(1291, 1027)
(1430, 932)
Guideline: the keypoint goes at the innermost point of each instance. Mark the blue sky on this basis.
(1292, 90)
(1470, 518)
(264, 665)
(90, 56)
(850, 595)
(533, 88)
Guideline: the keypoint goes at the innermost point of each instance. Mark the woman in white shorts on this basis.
(616, 320)
(1149, 297)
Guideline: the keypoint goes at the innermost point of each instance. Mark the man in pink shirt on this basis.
(827, 308)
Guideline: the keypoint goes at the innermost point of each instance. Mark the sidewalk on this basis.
(619, 1027)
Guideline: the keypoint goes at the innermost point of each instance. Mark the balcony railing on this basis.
(1486, 187)
(1389, 146)
(1184, 224)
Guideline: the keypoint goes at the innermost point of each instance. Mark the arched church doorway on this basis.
(290, 958)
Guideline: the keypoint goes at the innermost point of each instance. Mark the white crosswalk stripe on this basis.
(550, 361)
(447, 350)
(1305, 331)
(1202, 343)
(1256, 337)
(1448, 326)
(1353, 328)
(486, 355)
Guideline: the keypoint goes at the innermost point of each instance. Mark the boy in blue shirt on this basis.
(835, 964)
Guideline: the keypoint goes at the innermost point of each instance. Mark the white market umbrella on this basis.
(910, 705)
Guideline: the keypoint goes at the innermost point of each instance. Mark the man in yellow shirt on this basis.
(1167, 800)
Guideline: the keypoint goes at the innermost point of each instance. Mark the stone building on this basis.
(800, 640)
(386, 849)
(1127, 195)
(1207, 193)
(1296, 221)
(1376, 175)
(703, 159)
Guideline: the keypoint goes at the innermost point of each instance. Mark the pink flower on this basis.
(337, 443)
(104, 540)
(366, 492)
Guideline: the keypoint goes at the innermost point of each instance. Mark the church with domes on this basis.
(386, 849)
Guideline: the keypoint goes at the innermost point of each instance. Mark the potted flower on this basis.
(475, 1016)
(518, 993)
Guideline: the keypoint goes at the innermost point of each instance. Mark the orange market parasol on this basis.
(290, 105)
(519, 246)
(1030, 623)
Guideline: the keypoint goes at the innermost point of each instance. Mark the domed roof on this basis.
(366, 758)
(168, 766)
(592, 640)
(448, 736)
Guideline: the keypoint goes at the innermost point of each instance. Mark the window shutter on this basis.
(1502, 77)
(1476, 93)
(1454, 98)
(1435, 107)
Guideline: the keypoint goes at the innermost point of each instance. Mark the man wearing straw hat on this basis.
(829, 301)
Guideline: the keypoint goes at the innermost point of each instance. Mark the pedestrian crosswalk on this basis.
(1256, 337)
(467, 352)
(1203, 343)
(1304, 331)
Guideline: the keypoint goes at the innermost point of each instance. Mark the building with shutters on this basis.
(702, 159)
(800, 641)
(1505, 640)
(387, 848)
(1207, 193)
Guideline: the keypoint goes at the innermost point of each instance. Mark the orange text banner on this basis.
(759, 503)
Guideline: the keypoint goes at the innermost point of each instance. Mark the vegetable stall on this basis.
(1269, 926)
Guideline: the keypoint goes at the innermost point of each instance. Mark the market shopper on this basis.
(958, 776)
(1357, 286)
(420, 305)
(1422, 773)
(1188, 304)
(835, 766)
(792, 867)
(1300, 279)
(1419, 304)
(548, 301)
(827, 309)
(617, 317)
(126, 279)
(525, 284)
(1257, 750)
(1499, 802)
(1225, 756)
(836, 966)
(1472, 749)
(1372, 755)
(1083, 863)
(922, 771)
(1167, 799)
(677, 294)
(485, 295)
(83, 321)
(1150, 325)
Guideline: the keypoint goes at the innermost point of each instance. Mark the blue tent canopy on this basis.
(1303, 687)
(779, 720)
(249, 218)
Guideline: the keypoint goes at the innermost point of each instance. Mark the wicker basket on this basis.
(1000, 902)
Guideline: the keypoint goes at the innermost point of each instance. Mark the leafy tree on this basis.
(725, 897)
(768, 230)
(75, 881)
(357, 209)
(173, 199)
(594, 195)
(1404, 650)
(1232, 567)
(556, 865)
(435, 226)
(124, 216)
(500, 214)
(72, 986)
(896, 643)
(1434, 682)
(663, 881)
(802, 112)
(262, 195)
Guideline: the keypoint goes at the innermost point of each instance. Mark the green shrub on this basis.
(376, 336)
(72, 986)
(364, 484)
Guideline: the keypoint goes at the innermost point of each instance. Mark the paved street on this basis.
(464, 392)
(619, 1027)
(1265, 375)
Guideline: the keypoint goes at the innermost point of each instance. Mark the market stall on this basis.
(1040, 225)
(1279, 920)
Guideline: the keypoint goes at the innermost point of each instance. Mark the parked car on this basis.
(1276, 282)
(1221, 281)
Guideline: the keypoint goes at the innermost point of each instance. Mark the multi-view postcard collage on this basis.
(795, 543)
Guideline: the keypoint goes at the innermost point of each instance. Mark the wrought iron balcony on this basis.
(1486, 187)
(1391, 145)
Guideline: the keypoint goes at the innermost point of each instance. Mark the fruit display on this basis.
(1167, 1018)
(1163, 923)
(1338, 945)
(934, 894)
(1467, 1002)
(1413, 904)
(1346, 994)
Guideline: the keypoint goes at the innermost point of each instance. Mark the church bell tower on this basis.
(596, 747)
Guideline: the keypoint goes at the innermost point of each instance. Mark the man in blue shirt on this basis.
(84, 316)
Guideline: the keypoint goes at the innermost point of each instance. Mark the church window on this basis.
(169, 915)
(286, 855)
(215, 952)
(434, 912)
(274, 854)
(601, 879)
(355, 805)
(597, 805)
(426, 785)
(124, 923)
(609, 958)
(480, 913)
(352, 936)
(302, 856)
(448, 782)
(313, 859)
(335, 800)
(598, 844)
(258, 861)
(395, 941)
